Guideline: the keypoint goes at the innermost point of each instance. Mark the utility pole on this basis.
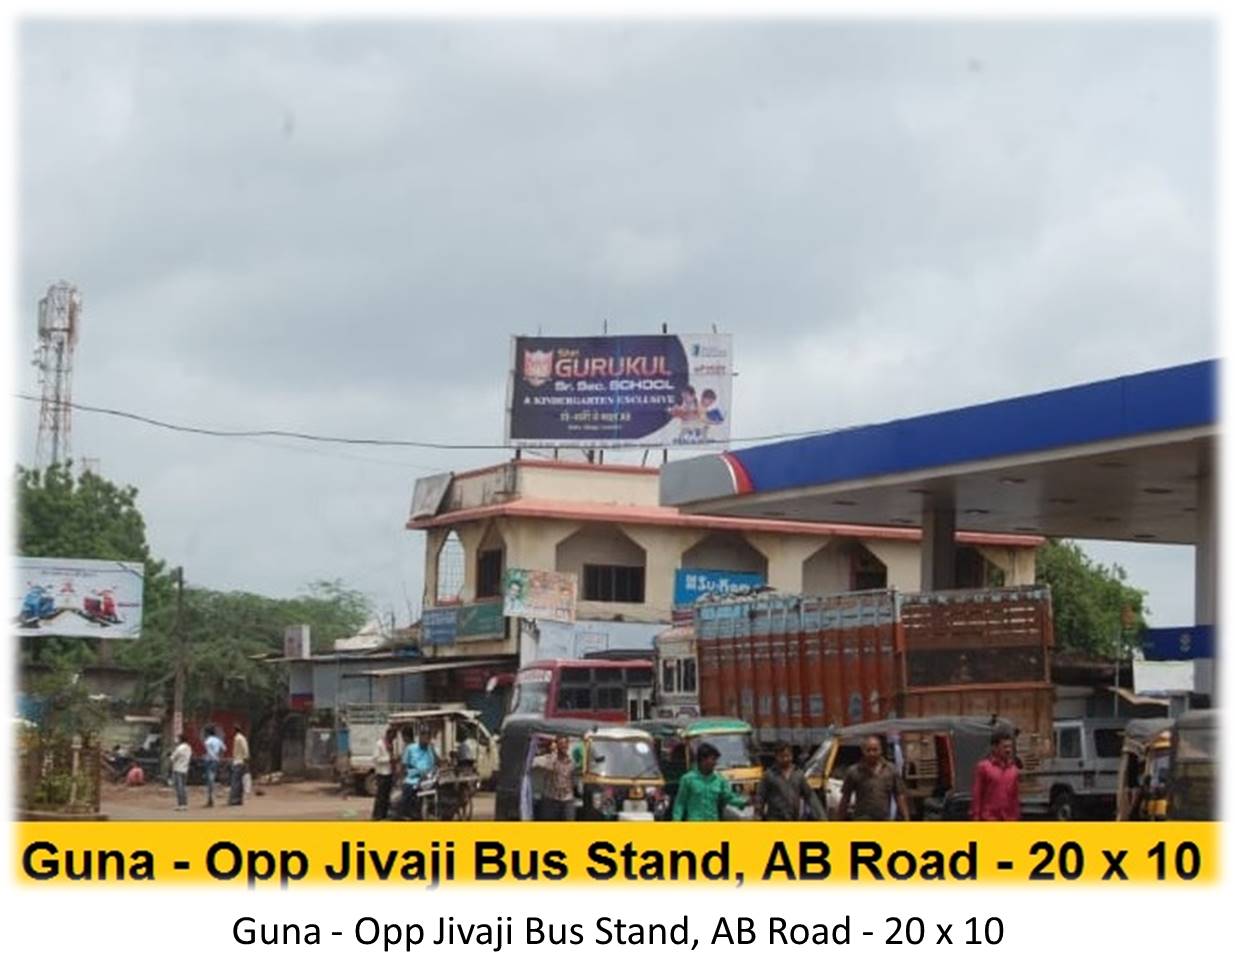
(178, 691)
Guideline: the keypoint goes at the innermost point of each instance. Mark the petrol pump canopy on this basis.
(1121, 459)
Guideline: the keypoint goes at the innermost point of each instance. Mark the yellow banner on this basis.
(433, 855)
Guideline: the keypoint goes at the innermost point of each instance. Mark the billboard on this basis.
(77, 597)
(1163, 676)
(690, 584)
(539, 595)
(1178, 643)
(480, 621)
(438, 625)
(658, 389)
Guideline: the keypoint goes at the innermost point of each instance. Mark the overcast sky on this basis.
(336, 229)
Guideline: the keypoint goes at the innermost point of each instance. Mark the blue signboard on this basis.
(656, 389)
(439, 626)
(1178, 643)
(689, 584)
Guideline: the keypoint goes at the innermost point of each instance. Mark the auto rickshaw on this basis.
(621, 777)
(677, 740)
(1190, 779)
(936, 757)
(520, 783)
(1144, 763)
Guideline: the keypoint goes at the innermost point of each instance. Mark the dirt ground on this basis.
(284, 801)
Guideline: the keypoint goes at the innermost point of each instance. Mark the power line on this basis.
(402, 443)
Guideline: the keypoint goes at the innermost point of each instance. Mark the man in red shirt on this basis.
(997, 782)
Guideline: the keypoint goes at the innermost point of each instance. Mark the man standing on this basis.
(703, 793)
(874, 784)
(997, 782)
(182, 755)
(419, 762)
(214, 752)
(240, 766)
(559, 799)
(784, 793)
(383, 766)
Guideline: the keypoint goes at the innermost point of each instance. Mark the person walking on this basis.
(703, 793)
(182, 755)
(874, 785)
(383, 768)
(997, 782)
(559, 799)
(419, 762)
(214, 752)
(784, 793)
(240, 766)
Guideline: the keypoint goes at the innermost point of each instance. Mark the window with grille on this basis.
(613, 583)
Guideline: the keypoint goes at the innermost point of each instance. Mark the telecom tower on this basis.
(59, 315)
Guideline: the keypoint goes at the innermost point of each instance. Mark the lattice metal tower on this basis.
(59, 316)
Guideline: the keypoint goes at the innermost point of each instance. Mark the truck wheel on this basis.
(1063, 807)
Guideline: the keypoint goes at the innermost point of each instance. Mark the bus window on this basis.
(690, 683)
(669, 676)
(531, 693)
(610, 698)
(574, 697)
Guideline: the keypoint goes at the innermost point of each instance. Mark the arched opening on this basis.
(609, 566)
(726, 552)
(490, 564)
(973, 571)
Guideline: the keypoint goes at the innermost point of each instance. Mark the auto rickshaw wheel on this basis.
(368, 785)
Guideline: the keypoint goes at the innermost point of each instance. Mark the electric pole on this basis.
(178, 692)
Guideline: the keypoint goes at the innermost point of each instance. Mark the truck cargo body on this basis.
(794, 666)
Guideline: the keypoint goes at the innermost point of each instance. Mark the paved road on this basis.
(287, 801)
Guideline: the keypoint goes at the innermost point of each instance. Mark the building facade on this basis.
(629, 555)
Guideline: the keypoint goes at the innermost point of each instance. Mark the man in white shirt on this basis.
(240, 766)
(383, 767)
(182, 755)
(214, 752)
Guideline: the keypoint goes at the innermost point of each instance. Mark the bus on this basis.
(610, 690)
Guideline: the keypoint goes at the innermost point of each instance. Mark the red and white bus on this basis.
(592, 689)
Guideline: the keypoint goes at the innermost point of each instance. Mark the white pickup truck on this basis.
(1082, 777)
(453, 725)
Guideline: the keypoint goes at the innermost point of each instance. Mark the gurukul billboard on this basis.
(643, 390)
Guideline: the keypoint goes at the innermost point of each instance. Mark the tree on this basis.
(226, 633)
(1089, 601)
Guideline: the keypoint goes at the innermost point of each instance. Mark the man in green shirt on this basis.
(703, 792)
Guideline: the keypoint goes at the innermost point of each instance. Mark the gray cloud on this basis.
(336, 227)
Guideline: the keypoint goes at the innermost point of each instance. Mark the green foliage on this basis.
(226, 631)
(68, 709)
(63, 516)
(1089, 600)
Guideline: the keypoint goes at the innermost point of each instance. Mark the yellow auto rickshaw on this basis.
(1144, 764)
(621, 776)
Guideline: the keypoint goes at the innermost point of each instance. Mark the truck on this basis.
(1082, 777)
(361, 725)
(798, 666)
